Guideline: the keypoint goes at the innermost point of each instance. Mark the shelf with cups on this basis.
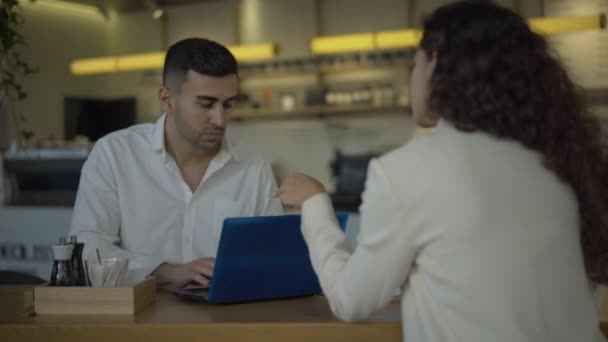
(338, 63)
(321, 111)
(287, 72)
(346, 62)
(354, 94)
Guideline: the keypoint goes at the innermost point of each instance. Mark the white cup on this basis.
(108, 273)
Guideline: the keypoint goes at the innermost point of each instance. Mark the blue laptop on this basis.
(260, 258)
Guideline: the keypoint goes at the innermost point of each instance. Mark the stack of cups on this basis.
(106, 272)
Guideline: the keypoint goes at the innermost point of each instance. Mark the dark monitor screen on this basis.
(95, 118)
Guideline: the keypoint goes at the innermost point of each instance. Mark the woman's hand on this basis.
(297, 188)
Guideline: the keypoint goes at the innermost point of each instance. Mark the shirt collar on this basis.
(158, 134)
(226, 152)
(441, 124)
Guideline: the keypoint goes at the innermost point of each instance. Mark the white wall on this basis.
(28, 233)
(131, 33)
(55, 37)
(308, 145)
(588, 69)
(26, 236)
(6, 129)
(346, 16)
(213, 20)
(527, 8)
(291, 24)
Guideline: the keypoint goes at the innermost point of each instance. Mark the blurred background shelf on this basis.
(319, 111)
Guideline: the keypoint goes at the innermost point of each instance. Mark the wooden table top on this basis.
(172, 319)
(604, 317)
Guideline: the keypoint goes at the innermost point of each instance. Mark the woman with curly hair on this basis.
(495, 225)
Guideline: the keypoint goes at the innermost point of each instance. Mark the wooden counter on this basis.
(604, 317)
(173, 320)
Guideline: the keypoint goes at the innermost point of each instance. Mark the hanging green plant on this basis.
(12, 66)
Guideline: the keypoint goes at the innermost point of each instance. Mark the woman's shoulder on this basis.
(415, 152)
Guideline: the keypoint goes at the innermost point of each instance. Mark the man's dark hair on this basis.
(200, 55)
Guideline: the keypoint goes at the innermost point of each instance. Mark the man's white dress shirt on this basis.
(132, 200)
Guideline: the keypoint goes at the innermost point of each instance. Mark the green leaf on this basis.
(27, 133)
(12, 65)
(9, 76)
(18, 18)
(28, 70)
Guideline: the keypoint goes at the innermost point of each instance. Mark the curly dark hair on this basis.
(494, 74)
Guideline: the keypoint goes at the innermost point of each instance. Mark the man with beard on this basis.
(159, 193)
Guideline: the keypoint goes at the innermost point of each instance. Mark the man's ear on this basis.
(166, 99)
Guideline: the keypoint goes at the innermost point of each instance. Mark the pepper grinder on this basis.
(80, 278)
(62, 274)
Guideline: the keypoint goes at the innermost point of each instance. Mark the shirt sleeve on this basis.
(360, 282)
(96, 217)
(269, 204)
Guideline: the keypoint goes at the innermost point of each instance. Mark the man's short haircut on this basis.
(200, 55)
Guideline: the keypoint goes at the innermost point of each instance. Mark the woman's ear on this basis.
(432, 62)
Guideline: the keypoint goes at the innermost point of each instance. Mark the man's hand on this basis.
(198, 272)
(297, 188)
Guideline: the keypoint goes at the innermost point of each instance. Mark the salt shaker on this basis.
(62, 274)
(80, 278)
